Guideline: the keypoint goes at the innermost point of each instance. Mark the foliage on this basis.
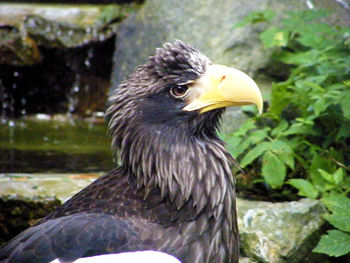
(303, 139)
(336, 243)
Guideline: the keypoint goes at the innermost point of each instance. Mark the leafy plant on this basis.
(303, 139)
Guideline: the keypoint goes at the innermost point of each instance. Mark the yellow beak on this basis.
(222, 86)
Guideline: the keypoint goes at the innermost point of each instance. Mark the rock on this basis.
(280, 232)
(51, 186)
(246, 260)
(25, 27)
(207, 25)
(26, 198)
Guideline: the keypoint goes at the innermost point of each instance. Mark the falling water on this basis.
(73, 98)
(41, 108)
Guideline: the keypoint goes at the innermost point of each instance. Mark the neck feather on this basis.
(183, 167)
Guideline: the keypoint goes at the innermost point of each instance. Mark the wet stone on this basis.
(26, 198)
(280, 232)
(56, 58)
(26, 27)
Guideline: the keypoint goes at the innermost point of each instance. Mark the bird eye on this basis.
(178, 91)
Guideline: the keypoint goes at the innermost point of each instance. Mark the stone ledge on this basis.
(56, 186)
(26, 198)
(280, 232)
(26, 27)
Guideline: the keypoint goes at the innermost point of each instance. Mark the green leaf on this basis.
(232, 141)
(238, 149)
(255, 153)
(317, 79)
(280, 128)
(340, 221)
(245, 127)
(299, 58)
(294, 143)
(254, 138)
(319, 162)
(327, 176)
(287, 158)
(299, 128)
(335, 178)
(305, 121)
(274, 37)
(280, 96)
(336, 203)
(277, 146)
(320, 106)
(338, 176)
(305, 188)
(273, 170)
(316, 35)
(336, 243)
(259, 135)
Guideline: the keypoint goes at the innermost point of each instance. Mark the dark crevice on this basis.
(72, 80)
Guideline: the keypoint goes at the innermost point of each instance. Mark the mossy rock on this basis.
(26, 27)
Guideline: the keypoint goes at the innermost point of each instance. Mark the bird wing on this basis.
(71, 237)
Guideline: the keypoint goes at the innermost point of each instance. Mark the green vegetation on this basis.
(303, 138)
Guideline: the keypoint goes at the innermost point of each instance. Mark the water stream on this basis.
(46, 145)
(51, 113)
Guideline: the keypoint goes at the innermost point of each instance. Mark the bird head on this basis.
(173, 100)
(179, 89)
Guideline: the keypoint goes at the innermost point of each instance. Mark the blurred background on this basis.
(59, 61)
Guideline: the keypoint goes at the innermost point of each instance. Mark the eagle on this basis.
(173, 191)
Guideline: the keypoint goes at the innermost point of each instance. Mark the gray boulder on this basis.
(207, 25)
(280, 232)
